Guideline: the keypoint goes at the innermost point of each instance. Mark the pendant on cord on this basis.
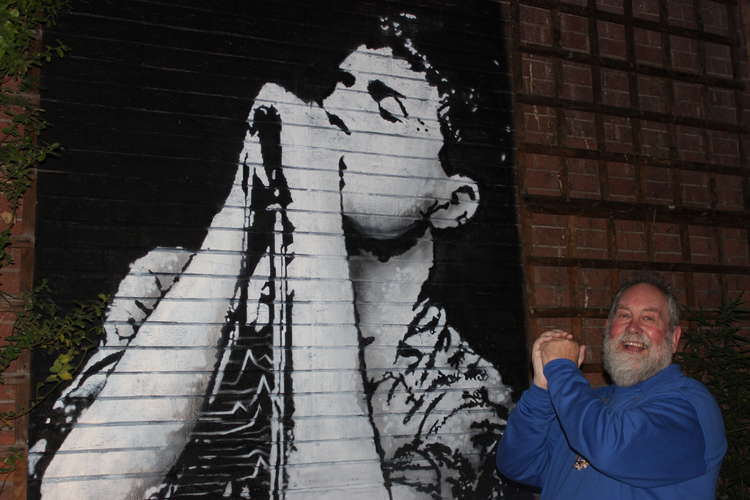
(581, 463)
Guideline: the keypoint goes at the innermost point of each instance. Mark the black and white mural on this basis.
(342, 320)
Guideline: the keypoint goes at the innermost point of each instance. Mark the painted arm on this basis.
(654, 444)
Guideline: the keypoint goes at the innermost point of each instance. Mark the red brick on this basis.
(723, 147)
(594, 288)
(579, 130)
(11, 393)
(655, 139)
(7, 317)
(548, 235)
(681, 13)
(592, 335)
(708, 292)
(540, 124)
(621, 182)
(646, 9)
(7, 437)
(630, 237)
(542, 175)
(690, 144)
(583, 178)
(590, 237)
(612, 40)
(610, 6)
(736, 285)
(537, 74)
(688, 99)
(721, 106)
(667, 242)
(652, 94)
(576, 82)
(11, 281)
(684, 54)
(541, 325)
(618, 134)
(649, 48)
(745, 141)
(657, 185)
(734, 246)
(18, 367)
(703, 248)
(615, 88)
(11, 85)
(536, 25)
(695, 189)
(715, 17)
(6, 330)
(574, 33)
(551, 287)
(718, 60)
(729, 192)
(582, 3)
(676, 281)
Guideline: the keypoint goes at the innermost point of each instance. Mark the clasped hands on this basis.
(551, 345)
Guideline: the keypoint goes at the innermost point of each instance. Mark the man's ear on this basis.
(676, 334)
(460, 207)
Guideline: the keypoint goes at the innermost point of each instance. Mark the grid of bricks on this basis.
(15, 280)
(631, 126)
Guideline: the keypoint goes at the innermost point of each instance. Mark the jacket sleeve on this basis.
(657, 443)
(524, 450)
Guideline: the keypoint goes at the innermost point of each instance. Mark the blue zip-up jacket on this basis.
(660, 439)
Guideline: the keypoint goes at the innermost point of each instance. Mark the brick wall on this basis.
(632, 138)
(15, 280)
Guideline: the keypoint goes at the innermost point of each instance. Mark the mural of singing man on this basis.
(308, 347)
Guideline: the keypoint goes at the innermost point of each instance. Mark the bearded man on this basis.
(654, 433)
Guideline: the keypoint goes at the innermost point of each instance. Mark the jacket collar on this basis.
(672, 372)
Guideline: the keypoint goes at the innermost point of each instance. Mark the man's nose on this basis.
(634, 326)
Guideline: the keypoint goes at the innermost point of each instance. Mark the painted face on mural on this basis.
(391, 136)
(639, 342)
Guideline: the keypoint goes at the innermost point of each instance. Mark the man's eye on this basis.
(649, 318)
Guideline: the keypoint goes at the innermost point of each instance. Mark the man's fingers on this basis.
(552, 335)
(581, 354)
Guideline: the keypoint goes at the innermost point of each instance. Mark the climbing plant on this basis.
(65, 335)
(717, 352)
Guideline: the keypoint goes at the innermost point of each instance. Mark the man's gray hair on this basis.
(672, 305)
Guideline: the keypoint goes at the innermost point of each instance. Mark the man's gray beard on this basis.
(629, 369)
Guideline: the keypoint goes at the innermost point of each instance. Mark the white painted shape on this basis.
(347, 474)
(111, 463)
(111, 488)
(329, 452)
(116, 411)
(159, 359)
(107, 437)
(151, 384)
(343, 358)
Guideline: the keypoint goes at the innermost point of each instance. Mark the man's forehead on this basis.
(644, 296)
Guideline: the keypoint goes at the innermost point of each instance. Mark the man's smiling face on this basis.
(639, 342)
